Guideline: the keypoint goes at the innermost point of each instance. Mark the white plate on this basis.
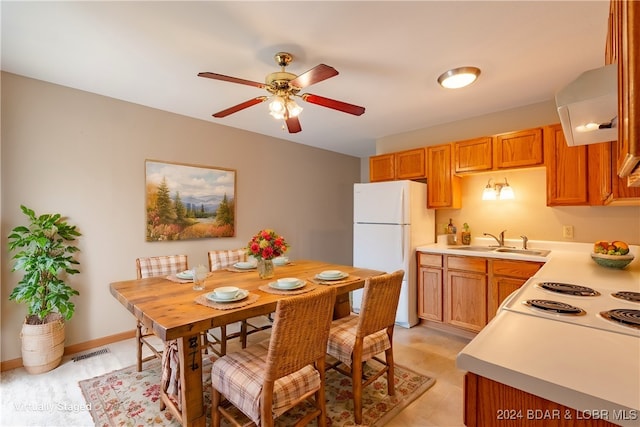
(242, 294)
(185, 275)
(323, 277)
(276, 285)
(243, 265)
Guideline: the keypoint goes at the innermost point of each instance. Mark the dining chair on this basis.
(154, 267)
(218, 260)
(267, 379)
(355, 339)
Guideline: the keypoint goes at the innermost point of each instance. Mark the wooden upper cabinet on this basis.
(443, 188)
(567, 173)
(410, 164)
(623, 47)
(474, 155)
(518, 149)
(382, 167)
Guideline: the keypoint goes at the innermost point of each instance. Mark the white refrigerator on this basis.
(390, 220)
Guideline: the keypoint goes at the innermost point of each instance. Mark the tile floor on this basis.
(429, 352)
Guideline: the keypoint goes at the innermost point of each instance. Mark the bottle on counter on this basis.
(452, 233)
(465, 236)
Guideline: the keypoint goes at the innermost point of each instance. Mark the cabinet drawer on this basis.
(520, 269)
(474, 264)
(431, 260)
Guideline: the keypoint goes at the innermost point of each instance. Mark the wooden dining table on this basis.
(170, 310)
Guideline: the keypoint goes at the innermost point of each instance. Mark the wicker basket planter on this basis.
(43, 345)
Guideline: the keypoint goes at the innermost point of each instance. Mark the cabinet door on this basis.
(410, 164)
(519, 149)
(430, 294)
(567, 173)
(443, 188)
(605, 186)
(622, 42)
(499, 289)
(466, 299)
(381, 167)
(474, 154)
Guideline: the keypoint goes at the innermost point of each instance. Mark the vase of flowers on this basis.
(265, 246)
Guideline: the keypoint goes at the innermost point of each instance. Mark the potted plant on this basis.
(46, 255)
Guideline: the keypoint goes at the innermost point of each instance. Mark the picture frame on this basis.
(186, 201)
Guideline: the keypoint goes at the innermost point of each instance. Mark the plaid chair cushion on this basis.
(225, 258)
(342, 337)
(161, 265)
(239, 377)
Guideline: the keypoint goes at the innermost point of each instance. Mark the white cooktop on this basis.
(592, 306)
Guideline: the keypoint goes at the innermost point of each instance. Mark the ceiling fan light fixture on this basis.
(458, 77)
(293, 108)
(277, 105)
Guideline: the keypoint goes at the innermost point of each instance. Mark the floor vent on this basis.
(92, 354)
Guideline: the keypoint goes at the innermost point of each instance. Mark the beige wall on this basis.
(528, 214)
(82, 155)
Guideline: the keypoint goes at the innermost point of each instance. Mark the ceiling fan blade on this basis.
(332, 103)
(242, 106)
(316, 74)
(293, 124)
(222, 77)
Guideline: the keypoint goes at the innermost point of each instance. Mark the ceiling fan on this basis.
(283, 87)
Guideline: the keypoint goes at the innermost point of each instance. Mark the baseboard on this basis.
(7, 365)
(442, 327)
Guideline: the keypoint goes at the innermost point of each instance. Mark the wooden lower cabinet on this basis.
(466, 296)
(465, 292)
(488, 403)
(430, 287)
(505, 277)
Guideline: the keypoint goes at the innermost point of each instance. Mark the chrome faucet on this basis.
(500, 240)
(525, 239)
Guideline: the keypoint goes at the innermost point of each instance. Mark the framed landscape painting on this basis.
(188, 201)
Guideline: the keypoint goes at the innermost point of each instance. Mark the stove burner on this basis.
(554, 307)
(623, 316)
(569, 289)
(628, 296)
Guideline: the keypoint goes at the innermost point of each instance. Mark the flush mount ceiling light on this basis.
(499, 190)
(458, 77)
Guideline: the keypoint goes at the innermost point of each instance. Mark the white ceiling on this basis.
(389, 55)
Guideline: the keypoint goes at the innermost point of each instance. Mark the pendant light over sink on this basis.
(458, 77)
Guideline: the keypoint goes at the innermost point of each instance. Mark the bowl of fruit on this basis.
(612, 254)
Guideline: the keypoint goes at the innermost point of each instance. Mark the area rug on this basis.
(129, 398)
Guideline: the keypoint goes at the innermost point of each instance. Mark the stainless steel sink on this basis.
(475, 248)
(537, 252)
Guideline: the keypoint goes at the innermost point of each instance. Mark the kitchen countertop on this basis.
(583, 368)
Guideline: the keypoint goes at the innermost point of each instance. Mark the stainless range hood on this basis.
(588, 107)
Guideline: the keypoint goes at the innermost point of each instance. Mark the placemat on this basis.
(347, 279)
(241, 270)
(202, 299)
(308, 287)
(176, 279)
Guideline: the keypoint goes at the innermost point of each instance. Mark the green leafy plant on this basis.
(45, 254)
